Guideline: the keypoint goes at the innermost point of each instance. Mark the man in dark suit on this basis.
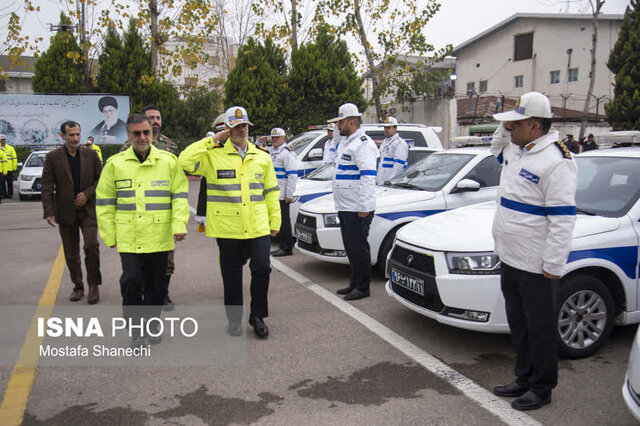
(74, 172)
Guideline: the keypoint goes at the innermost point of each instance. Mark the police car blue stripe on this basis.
(537, 210)
(281, 176)
(309, 197)
(395, 160)
(348, 177)
(303, 172)
(625, 257)
(368, 172)
(416, 213)
(347, 167)
(279, 169)
(292, 172)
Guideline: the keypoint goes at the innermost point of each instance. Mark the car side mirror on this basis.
(467, 185)
(20, 164)
(315, 154)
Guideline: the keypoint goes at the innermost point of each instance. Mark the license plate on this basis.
(304, 236)
(413, 284)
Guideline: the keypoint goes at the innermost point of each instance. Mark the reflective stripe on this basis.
(387, 159)
(197, 166)
(292, 172)
(348, 177)
(227, 187)
(106, 202)
(268, 190)
(258, 197)
(347, 167)
(368, 172)
(399, 161)
(179, 195)
(537, 210)
(281, 176)
(256, 185)
(387, 166)
(125, 207)
(128, 193)
(223, 199)
(157, 193)
(158, 206)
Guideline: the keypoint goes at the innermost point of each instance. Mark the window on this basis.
(554, 77)
(523, 47)
(518, 81)
(483, 85)
(572, 74)
(486, 173)
(471, 87)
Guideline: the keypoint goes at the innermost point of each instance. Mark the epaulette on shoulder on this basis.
(363, 138)
(287, 148)
(566, 154)
(262, 149)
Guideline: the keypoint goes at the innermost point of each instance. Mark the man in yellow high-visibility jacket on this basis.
(89, 143)
(3, 173)
(142, 209)
(11, 166)
(242, 212)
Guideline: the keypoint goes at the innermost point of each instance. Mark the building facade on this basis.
(16, 78)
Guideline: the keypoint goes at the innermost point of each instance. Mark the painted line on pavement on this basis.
(16, 396)
(485, 399)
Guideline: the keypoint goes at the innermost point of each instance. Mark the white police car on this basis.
(444, 267)
(30, 176)
(631, 385)
(444, 180)
(309, 146)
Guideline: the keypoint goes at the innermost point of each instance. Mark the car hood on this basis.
(387, 200)
(31, 171)
(469, 229)
(307, 186)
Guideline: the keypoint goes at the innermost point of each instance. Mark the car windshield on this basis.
(324, 172)
(431, 173)
(607, 186)
(35, 160)
(299, 142)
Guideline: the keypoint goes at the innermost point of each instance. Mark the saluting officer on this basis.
(142, 210)
(242, 211)
(394, 152)
(354, 195)
(285, 163)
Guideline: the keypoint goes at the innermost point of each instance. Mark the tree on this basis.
(59, 69)
(258, 83)
(15, 43)
(387, 31)
(623, 113)
(322, 77)
(195, 115)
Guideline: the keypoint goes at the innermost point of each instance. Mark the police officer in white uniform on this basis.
(354, 196)
(532, 231)
(285, 162)
(394, 152)
(329, 152)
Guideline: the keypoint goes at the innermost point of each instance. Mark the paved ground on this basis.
(322, 363)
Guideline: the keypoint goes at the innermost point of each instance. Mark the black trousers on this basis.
(530, 301)
(142, 284)
(2, 187)
(7, 185)
(234, 254)
(355, 231)
(285, 238)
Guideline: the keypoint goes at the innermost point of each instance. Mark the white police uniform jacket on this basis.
(536, 210)
(354, 178)
(285, 163)
(330, 149)
(394, 154)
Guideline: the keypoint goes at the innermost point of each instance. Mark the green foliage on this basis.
(108, 150)
(258, 83)
(195, 115)
(59, 69)
(322, 77)
(623, 113)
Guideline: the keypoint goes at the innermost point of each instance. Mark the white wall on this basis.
(492, 59)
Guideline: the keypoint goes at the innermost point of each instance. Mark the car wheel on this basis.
(385, 248)
(585, 314)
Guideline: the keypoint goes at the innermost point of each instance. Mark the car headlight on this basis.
(26, 177)
(331, 220)
(474, 263)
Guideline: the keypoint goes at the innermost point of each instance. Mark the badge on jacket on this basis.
(226, 174)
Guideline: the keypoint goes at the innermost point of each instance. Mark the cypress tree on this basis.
(322, 78)
(623, 113)
(258, 83)
(59, 69)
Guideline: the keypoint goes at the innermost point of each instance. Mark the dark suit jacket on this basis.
(57, 184)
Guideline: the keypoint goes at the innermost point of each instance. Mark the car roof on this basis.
(626, 152)
(40, 151)
(475, 150)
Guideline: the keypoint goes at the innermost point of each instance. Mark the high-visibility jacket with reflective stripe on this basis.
(242, 194)
(11, 158)
(536, 208)
(140, 206)
(394, 154)
(285, 163)
(4, 167)
(96, 148)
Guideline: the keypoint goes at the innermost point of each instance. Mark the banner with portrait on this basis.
(35, 120)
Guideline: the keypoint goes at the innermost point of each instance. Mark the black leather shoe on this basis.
(280, 253)
(511, 390)
(356, 294)
(530, 401)
(137, 341)
(168, 304)
(259, 327)
(154, 337)
(235, 329)
(345, 290)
